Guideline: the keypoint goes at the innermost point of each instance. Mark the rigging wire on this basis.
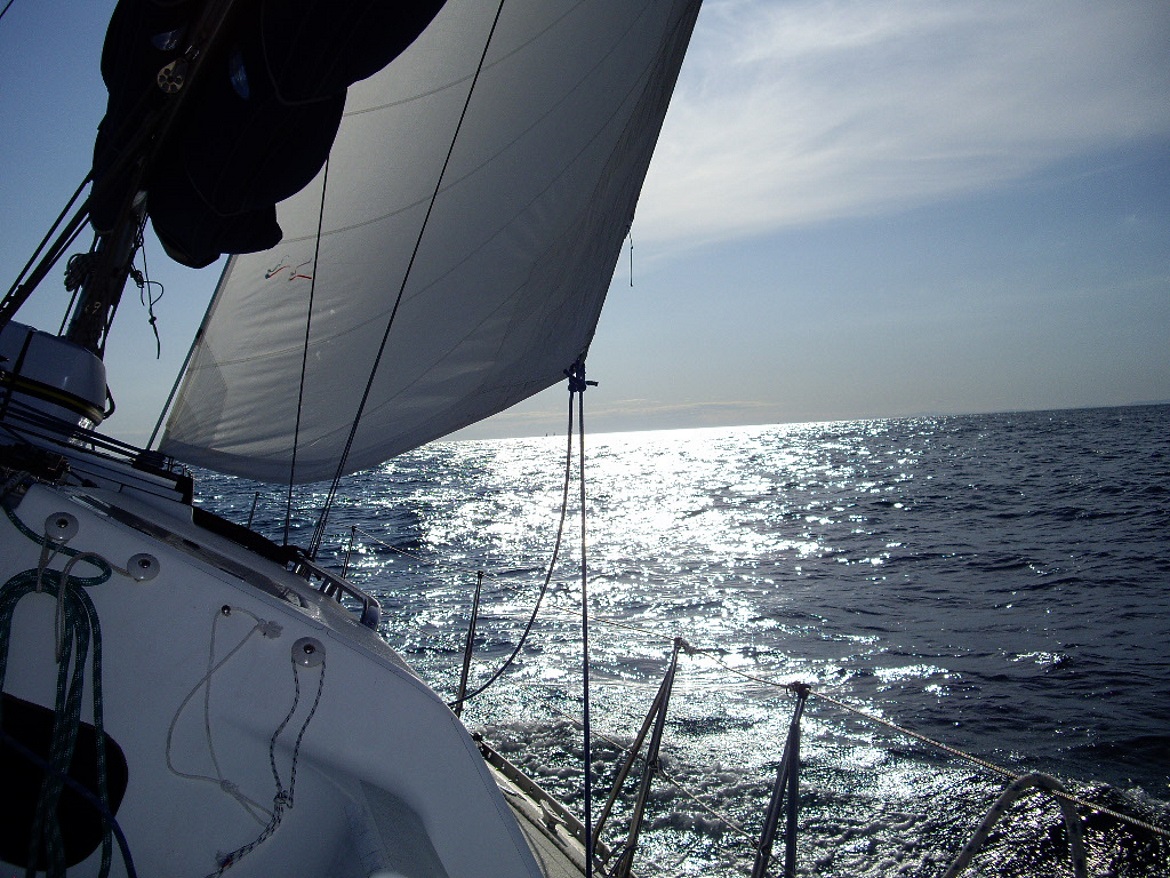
(45, 240)
(22, 288)
(292, 468)
(157, 125)
(319, 532)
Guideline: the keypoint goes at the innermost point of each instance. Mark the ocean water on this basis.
(999, 583)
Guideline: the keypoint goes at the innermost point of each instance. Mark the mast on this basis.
(125, 155)
(147, 97)
(106, 270)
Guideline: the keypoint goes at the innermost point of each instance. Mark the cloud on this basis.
(801, 112)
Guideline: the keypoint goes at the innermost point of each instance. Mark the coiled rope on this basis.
(76, 627)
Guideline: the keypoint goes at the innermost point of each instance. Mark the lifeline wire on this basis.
(790, 687)
(865, 715)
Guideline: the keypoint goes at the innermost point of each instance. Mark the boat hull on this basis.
(261, 723)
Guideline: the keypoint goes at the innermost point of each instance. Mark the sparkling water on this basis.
(999, 583)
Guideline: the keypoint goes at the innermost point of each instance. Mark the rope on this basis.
(84, 792)
(269, 629)
(551, 565)
(76, 626)
(283, 799)
(190, 355)
(147, 297)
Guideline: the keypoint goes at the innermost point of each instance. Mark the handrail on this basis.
(336, 587)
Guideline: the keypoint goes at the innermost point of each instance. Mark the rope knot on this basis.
(269, 629)
(576, 376)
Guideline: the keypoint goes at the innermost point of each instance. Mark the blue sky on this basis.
(857, 209)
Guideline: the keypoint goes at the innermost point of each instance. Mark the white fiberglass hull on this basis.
(211, 695)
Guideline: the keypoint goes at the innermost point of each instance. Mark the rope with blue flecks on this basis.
(283, 800)
(77, 626)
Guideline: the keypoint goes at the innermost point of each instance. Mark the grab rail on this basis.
(335, 587)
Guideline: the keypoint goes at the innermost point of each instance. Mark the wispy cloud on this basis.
(795, 112)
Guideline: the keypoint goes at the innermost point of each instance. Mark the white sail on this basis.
(514, 253)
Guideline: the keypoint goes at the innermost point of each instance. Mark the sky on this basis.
(856, 209)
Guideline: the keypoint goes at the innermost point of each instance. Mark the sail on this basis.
(457, 246)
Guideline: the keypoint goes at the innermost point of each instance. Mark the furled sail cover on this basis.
(276, 67)
(513, 259)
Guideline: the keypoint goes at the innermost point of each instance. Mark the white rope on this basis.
(257, 811)
(283, 799)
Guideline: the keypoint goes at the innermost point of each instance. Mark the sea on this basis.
(996, 583)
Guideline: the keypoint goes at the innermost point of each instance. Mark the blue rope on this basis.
(84, 792)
